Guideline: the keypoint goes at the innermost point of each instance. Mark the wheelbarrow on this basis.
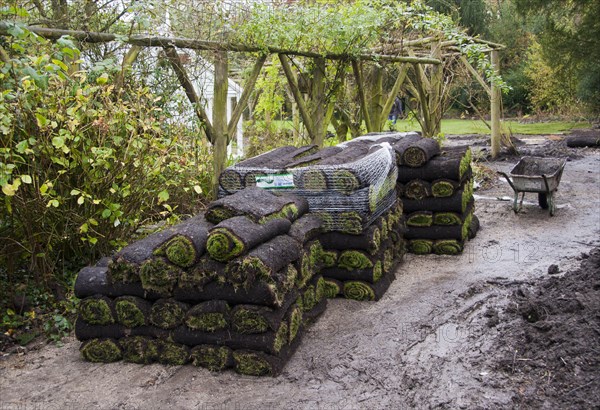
(535, 174)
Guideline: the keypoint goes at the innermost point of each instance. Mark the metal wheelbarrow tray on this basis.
(535, 174)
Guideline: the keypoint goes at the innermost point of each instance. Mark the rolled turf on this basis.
(92, 280)
(306, 228)
(417, 189)
(168, 313)
(256, 363)
(256, 204)
(420, 246)
(368, 240)
(267, 292)
(448, 247)
(201, 274)
(457, 232)
(264, 261)
(101, 350)
(188, 244)
(333, 287)
(125, 265)
(158, 275)
(212, 357)
(363, 291)
(371, 275)
(452, 164)
(352, 259)
(97, 310)
(420, 219)
(209, 316)
(420, 152)
(236, 236)
(251, 319)
(139, 349)
(458, 202)
(443, 188)
(270, 342)
(132, 311)
(313, 180)
(402, 144)
(173, 354)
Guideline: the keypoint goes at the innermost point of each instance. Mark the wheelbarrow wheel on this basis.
(543, 200)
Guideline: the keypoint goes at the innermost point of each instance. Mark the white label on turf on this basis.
(275, 181)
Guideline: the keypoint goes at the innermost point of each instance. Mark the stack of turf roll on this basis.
(437, 197)
(362, 266)
(349, 185)
(233, 288)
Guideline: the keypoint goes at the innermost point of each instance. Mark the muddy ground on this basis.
(492, 328)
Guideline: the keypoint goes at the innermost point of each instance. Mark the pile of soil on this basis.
(550, 343)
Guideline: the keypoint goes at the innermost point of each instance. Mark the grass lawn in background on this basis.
(478, 127)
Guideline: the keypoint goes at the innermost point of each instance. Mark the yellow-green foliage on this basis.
(101, 351)
(81, 163)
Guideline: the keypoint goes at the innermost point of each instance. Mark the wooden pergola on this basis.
(425, 56)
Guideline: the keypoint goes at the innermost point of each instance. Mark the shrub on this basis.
(82, 164)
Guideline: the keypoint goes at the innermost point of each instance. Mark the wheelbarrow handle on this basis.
(546, 183)
(508, 180)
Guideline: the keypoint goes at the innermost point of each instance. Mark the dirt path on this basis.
(425, 344)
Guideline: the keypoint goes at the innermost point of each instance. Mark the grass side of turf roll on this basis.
(236, 236)
(101, 350)
(97, 310)
(132, 311)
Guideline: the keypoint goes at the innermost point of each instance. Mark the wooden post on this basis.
(361, 94)
(219, 120)
(318, 103)
(496, 104)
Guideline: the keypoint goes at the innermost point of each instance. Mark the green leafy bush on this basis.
(82, 163)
